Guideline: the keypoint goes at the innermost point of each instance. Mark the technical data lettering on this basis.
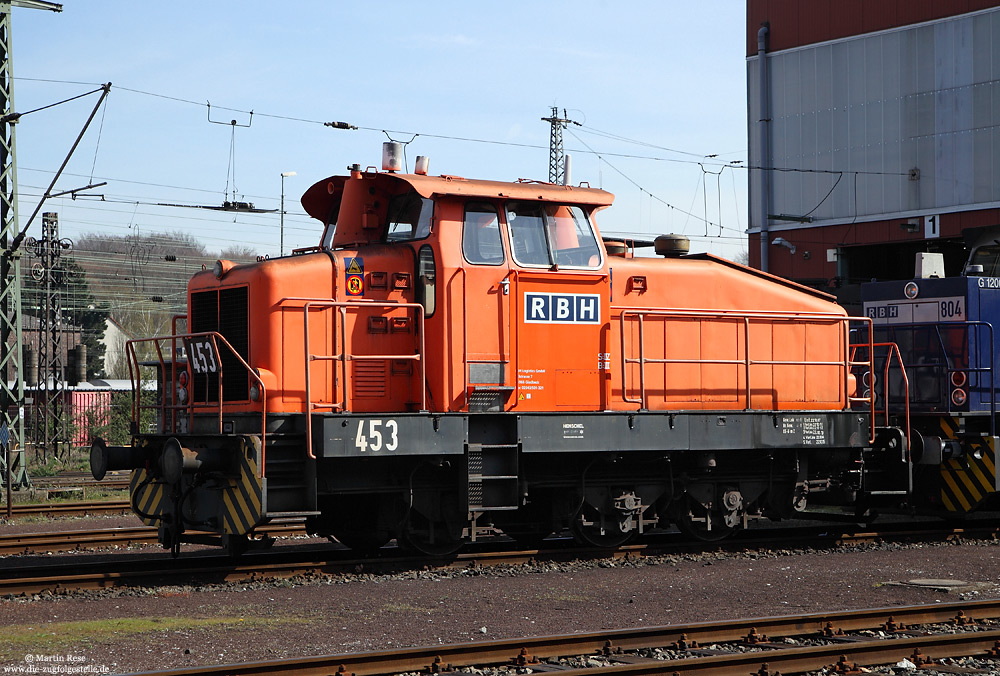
(811, 429)
(562, 308)
(530, 381)
(813, 432)
(572, 430)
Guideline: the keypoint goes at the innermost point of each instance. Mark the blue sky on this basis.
(668, 75)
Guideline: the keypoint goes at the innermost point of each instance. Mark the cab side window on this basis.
(527, 233)
(545, 234)
(481, 235)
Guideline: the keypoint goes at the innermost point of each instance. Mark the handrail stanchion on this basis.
(746, 361)
(343, 356)
(308, 365)
(465, 337)
(423, 361)
(642, 363)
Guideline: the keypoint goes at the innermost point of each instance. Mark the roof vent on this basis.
(421, 165)
(672, 246)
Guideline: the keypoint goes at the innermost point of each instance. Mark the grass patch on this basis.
(554, 595)
(59, 637)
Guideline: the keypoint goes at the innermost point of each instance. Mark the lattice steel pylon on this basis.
(11, 341)
(557, 165)
(50, 430)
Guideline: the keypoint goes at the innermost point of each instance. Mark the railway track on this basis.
(789, 644)
(78, 508)
(210, 567)
(75, 540)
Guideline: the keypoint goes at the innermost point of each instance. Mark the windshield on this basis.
(409, 217)
(552, 234)
(989, 257)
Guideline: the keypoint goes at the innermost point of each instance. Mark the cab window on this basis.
(409, 217)
(543, 234)
(481, 235)
(989, 257)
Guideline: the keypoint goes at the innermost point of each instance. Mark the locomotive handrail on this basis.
(868, 365)
(344, 356)
(894, 351)
(135, 374)
(746, 362)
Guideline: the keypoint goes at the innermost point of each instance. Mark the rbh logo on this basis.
(882, 311)
(562, 308)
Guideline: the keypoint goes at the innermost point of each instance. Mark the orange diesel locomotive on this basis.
(456, 356)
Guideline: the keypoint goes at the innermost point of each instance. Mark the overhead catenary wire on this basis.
(641, 188)
(603, 157)
(469, 139)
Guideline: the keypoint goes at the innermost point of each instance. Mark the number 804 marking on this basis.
(375, 440)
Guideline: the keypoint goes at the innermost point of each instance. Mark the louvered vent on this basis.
(369, 380)
(225, 311)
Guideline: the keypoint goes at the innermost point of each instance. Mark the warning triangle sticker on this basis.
(355, 267)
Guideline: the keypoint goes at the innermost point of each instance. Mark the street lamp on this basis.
(284, 175)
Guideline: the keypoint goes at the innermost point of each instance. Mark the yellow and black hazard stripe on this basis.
(148, 497)
(968, 480)
(242, 499)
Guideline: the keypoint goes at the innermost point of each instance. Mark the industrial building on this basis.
(874, 131)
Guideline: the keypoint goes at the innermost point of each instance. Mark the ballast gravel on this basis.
(176, 627)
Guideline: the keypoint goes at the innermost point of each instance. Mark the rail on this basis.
(642, 315)
(167, 406)
(344, 356)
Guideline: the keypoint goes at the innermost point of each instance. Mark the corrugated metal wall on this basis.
(870, 108)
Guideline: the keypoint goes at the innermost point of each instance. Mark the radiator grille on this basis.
(225, 311)
(369, 379)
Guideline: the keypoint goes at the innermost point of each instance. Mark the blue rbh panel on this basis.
(562, 308)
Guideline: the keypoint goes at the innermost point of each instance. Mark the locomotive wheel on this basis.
(360, 530)
(590, 534)
(529, 538)
(440, 535)
(361, 541)
(430, 538)
(691, 520)
(527, 526)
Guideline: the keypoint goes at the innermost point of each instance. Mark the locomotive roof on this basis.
(760, 273)
(319, 199)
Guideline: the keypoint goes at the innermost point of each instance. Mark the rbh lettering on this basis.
(562, 308)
